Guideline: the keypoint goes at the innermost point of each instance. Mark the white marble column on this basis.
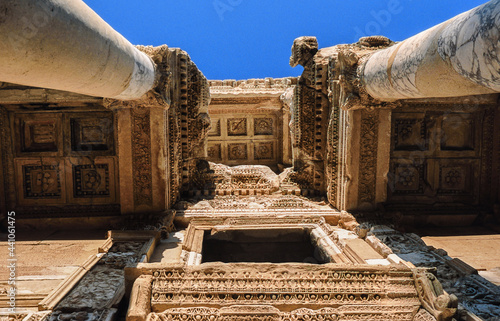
(456, 58)
(65, 45)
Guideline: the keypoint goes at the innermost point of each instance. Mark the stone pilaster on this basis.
(142, 150)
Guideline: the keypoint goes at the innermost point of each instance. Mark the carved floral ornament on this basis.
(270, 292)
(268, 313)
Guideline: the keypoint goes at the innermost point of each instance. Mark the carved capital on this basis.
(152, 99)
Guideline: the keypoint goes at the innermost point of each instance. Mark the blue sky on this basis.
(240, 39)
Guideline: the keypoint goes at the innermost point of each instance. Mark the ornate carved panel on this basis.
(91, 180)
(407, 178)
(93, 134)
(174, 154)
(269, 313)
(453, 179)
(237, 126)
(240, 122)
(237, 151)
(264, 150)
(410, 133)
(310, 287)
(458, 132)
(368, 156)
(64, 163)
(263, 126)
(214, 152)
(459, 180)
(436, 155)
(40, 133)
(40, 182)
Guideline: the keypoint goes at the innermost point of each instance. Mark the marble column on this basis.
(456, 58)
(65, 45)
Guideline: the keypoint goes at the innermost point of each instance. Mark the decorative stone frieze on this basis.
(273, 292)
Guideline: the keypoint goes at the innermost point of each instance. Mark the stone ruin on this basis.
(258, 199)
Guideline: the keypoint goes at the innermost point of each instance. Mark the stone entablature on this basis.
(251, 87)
(218, 291)
(283, 286)
(361, 280)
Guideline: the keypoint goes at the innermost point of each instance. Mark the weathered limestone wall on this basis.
(65, 45)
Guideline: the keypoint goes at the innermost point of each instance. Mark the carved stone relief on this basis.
(268, 313)
(214, 152)
(274, 285)
(63, 162)
(42, 181)
(237, 151)
(456, 278)
(141, 157)
(222, 179)
(91, 180)
(92, 134)
(237, 126)
(263, 126)
(368, 156)
(40, 133)
(264, 150)
(436, 155)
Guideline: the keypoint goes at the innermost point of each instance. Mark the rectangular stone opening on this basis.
(263, 245)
